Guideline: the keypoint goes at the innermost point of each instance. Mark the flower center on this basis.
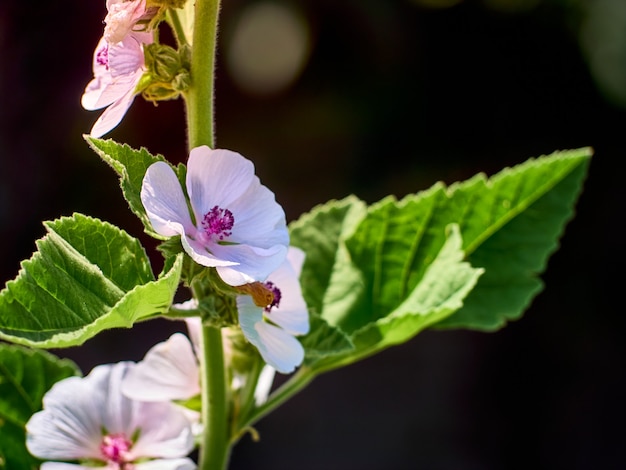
(276, 293)
(115, 449)
(102, 56)
(218, 223)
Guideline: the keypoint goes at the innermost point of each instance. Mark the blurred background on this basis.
(373, 97)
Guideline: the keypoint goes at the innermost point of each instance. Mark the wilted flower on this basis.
(272, 329)
(122, 18)
(237, 226)
(89, 420)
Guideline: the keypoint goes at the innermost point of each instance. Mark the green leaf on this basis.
(131, 166)
(440, 292)
(391, 248)
(511, 224)
(25, 376)
(87, 276)
(368, 273)
(319, 234)
(324, 340)
(446, 282)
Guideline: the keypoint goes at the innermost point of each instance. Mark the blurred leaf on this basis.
(25, 376)
(602, 37)
(87, 276)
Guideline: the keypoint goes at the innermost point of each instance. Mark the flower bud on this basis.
(167, 75)
(162, 61)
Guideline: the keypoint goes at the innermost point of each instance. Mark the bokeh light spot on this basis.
(268, 48)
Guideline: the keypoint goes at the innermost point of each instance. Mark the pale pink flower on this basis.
(90, 421)
(237, 226)
(272, 329)
(117, 69)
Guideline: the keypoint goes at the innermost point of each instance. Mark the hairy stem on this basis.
(214, 446)
(199, 96)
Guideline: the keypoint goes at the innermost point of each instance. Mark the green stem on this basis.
(246, 397)
(199, 96)
(174, 21)
(297, 382)
(214, 446)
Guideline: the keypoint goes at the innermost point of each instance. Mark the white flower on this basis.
(272, 329)
(89, 420)
(239, 227)
(169, 371)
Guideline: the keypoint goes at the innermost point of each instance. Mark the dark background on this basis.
(395, 95)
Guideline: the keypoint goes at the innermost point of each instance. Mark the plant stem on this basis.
(174, 22)
(214, 446)
(199, 96)
(297, 382)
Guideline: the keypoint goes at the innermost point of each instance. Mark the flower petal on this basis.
(198, 251)
(165, 432)
(259, 219)
(64, 466)
(226, 179)
(169, 371)
(166, 464)
(164, 201)
(113, 115)
(251, 263)
(264, 385)
(277, 347)
(249, 315)
(127, 57)
(295, 257)
(117, 77)
(76, 410)
(292, 313)
(194, 326)
(121, 18)
(68, 427)
(216, 177)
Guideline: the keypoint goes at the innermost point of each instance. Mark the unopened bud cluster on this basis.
(168, 72)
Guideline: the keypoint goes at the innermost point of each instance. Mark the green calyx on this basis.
(216, 299)
(168, 72)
